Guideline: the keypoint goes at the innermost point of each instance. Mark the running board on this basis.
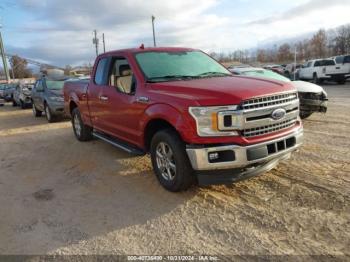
(119, 144)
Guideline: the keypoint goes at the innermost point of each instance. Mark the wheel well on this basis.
(153, 127)
(72, 105)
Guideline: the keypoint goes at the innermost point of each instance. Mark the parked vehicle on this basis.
(22, 96)
(237, 66)
(189, 112)
(9, 90)
(47, 96)
(323, 69)
(343, 60)
(2, 90)
(275, 68)
(289, 71)
(312, 97)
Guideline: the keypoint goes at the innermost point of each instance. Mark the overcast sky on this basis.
(60, 31)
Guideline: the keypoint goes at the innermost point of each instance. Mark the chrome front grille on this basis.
(262, 130)
(266, 101)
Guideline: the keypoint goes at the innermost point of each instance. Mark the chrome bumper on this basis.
(245, 156)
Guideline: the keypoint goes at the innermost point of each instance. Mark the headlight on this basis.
(56, 98)
(211, 121)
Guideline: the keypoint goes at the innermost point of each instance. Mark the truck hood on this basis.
(220, 90)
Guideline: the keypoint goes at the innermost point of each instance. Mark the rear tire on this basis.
(81, 131)
(170, 162)
(14, 104)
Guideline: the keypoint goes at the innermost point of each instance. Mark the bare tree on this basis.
(284, 53)
(319, 44)
(342, 41)
(19, 67)
(67, 69)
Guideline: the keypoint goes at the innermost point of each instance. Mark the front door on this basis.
(117, 100)
(37, 95)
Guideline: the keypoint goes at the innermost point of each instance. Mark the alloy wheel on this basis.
(47, 113)
(165, 161)
(77, 126)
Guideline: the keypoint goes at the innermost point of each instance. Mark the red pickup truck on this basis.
(198, 122)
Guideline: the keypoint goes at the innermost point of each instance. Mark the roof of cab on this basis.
(149, 49)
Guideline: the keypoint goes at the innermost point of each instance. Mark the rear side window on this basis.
(339, 59)
(346, 59)
(100, 72)
(328, 62)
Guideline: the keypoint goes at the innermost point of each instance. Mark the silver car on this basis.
(22, 96)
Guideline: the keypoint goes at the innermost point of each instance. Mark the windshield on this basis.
(54, 85)
(167, 66)
(265, 74)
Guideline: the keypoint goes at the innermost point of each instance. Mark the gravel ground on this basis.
(60, 196)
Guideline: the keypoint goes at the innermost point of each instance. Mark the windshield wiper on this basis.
(168, 77)
(213, 74)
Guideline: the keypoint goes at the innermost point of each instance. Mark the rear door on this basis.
(331, 68)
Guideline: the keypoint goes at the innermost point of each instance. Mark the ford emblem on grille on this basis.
(278, 114)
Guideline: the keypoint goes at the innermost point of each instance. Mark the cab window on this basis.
(121, 75)
(100, 72)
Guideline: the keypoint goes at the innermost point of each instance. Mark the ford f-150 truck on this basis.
(198, 122)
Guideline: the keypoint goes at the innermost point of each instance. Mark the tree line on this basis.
(321, 45)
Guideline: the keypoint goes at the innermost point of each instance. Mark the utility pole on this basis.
(95, 41)
(104, 45)
(4, 61)
(295, 61)
(154, 36)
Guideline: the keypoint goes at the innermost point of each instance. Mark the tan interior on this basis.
(124, 81)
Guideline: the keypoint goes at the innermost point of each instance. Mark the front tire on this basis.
(315, 79)
(49, 116)
(22, 104)
(14, 104)
(170, 162)
(305, 114)
(36, 112)
(81, 131)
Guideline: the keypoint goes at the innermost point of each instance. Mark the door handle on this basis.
(104, 98)
(142, 99)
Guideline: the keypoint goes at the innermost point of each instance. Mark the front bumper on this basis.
(313, 105)
(235, 156)
(27, 100)
(57, 108)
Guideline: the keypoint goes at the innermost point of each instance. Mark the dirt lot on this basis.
(60, 196)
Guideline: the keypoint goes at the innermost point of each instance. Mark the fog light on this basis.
(213, 156)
